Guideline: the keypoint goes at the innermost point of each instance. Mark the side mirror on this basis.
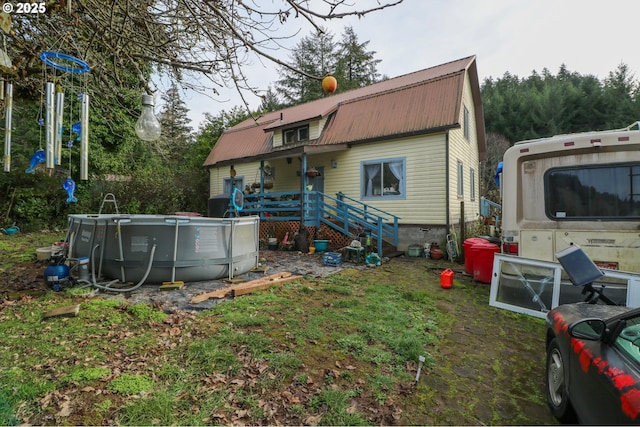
(588, 329)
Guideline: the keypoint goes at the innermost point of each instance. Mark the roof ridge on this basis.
(404, 87)
(253, 122)
(466, 59)
(386, 82)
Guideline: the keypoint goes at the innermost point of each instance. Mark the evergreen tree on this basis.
(315, 56)
(176, 131)
(356, 67)
(348, 61)
(621, 95)
(544, 105)
(270, 101)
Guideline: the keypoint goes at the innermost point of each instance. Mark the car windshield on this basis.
(628, 341)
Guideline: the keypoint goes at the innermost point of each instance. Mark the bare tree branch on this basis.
(203, 44)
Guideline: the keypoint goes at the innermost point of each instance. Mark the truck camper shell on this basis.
(581, 188)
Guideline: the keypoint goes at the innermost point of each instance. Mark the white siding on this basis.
(315, 128)
(466, 151)
(277, 138)
(425, 175)
(247, 172)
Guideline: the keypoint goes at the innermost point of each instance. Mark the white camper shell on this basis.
(582, 189)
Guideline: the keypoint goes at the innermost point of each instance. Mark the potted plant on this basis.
(272, 240)
(268, 184)
(313, 172)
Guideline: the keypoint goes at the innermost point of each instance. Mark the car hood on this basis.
(573, 312)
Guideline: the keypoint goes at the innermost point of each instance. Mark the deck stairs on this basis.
(340, 213)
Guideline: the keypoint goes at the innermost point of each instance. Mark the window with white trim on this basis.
(293, 135)
(466, 125)
(472, 183)
(460, 179)
(383, 178)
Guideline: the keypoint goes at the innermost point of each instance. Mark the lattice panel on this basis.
(279, 228)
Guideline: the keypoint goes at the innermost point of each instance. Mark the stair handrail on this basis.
(380, 224)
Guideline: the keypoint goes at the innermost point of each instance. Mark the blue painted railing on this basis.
(342, 213)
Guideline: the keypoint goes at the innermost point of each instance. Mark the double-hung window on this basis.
(472, 183)
(297, 134)
(384, 178)
(467, 124)
(460, 179)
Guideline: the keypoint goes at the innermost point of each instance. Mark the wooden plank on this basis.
(249, 286)
(218, 293)
(265, 279)
(67, 311)
(258, 286)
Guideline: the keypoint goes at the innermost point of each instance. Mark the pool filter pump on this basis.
(56, 273)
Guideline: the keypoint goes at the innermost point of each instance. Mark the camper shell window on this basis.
(610, 191)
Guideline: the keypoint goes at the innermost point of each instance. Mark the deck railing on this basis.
(342, 213)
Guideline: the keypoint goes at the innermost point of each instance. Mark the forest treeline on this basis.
(546, 104)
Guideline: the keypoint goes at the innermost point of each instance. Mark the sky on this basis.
(590, 37)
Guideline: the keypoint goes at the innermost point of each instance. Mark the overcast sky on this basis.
(516, 36)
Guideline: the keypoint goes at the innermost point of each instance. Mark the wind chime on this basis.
(6, 95)
(53, 120)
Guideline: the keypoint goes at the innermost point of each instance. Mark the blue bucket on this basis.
(321, 245)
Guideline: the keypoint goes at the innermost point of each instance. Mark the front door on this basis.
(315, 184)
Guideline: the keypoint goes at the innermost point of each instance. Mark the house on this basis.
(408, 146)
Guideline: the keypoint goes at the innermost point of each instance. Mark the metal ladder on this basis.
(109, 198)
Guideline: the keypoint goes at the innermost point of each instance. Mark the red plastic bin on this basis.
(469, 256)
(483, 261)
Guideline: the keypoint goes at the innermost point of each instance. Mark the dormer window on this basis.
(298, 134)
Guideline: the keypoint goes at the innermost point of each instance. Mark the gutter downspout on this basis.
(447, 185)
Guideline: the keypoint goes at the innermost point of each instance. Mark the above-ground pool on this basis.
(164, 248)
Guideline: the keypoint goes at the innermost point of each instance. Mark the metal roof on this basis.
(417, 103)
(401, 112)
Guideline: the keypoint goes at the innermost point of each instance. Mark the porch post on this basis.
(303, 187)
(261, 190)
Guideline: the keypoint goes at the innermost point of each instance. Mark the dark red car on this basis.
(593, 364)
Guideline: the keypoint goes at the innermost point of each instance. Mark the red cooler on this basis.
(468, 254)
(483, 261)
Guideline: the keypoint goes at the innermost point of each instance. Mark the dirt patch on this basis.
(488, 366)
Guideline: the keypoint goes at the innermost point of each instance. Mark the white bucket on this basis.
(43, 254)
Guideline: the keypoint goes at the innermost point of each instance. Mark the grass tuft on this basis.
(130, 384)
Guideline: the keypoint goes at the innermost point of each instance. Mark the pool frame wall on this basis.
(164, 248)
